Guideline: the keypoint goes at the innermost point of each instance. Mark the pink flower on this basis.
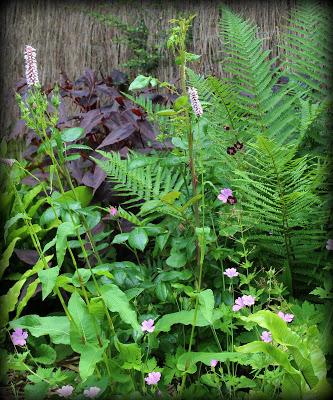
(213, 363)
(266, 337)
(19, 337)
(31, 72)
(113, 211)
(231, 272)
(65, 391)
(92, 392)
(329, 244)
(248, 300)
(195, 102)
(153, 378)
(225, 193)
(148, 325)
(286, 317)
(238, 304)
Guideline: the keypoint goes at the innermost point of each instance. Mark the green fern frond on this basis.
(308, 49)
(141, 182)
(278, 193)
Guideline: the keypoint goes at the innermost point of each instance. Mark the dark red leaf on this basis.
(117, 135)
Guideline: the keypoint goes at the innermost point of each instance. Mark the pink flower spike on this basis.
(225, 193)
(153, 378)
(266, 337)
(19, 337)
(248, 300)
(31, 72)
(286, 317)
(113, 211)
(92, 392)
(239, 304)
(195, 102)
(148, 326)
(329, 244)
(231, 272)
(213, 363)
(65, 391)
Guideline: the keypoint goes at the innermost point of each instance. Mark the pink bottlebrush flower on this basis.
(239, 304)
(266, 337)
(153, 378)
(329, 244)
(286, 317)
(31, 72)
(195, 102)
(225, 193)
(213, 363)
(19, 337)
(65, 391)
(248, 300)
(148, 326)
(231, 272)
(91, 392)
(113, 211)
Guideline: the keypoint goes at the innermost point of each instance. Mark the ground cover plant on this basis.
(206, 273)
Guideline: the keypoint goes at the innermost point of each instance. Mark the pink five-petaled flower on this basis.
(225, 193)
(286, 317)
(213, 363)
(329, 244)
(231, 272)
(266, 336)
(19, 337)
(195, 102)
(153, 378)
(65, 391)
(113, 211)
(248, 300)
(238, 304)
(31, 72)
(148, 326)
(92, 392)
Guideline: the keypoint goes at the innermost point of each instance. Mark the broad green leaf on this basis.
(37, 391)
(32, 193)
(180, 103)
(15, 362)
(116, 301)
(10, 299)
(4, 261)
(120, 238)
(187, 361)
(33, 209)
(71, 134)
(170, 197)
(138, 239)
(206, 301)
(45, 354)
(82, 331)
(30, 292)
(48, 278)
(23, 232)
(169, 112)
(56, 327)
(81, 276)
(278, 355)
(140, 82)
(176, 260)
(167, 276)
(64, 230)
(83, 194)
(130, 354)
(185, 318)
(91, 355)
(13, 221)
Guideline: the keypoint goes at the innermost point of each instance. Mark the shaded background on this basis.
(68, 39)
